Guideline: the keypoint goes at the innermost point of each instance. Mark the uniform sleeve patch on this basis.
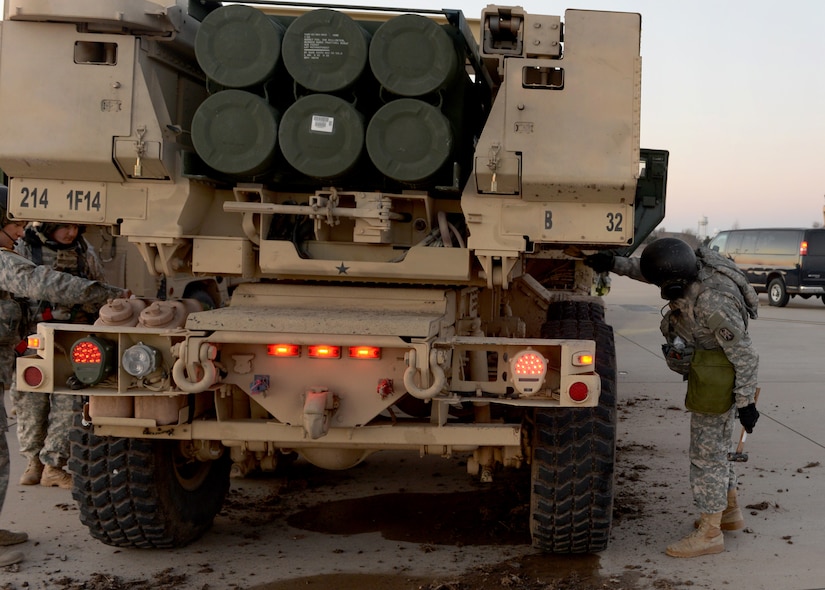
(723, 329)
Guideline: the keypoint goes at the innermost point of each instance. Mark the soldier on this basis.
(44, 419)
(22, 278)
(706, 329)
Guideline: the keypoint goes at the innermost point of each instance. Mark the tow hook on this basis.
(438, 377)
(319, 406)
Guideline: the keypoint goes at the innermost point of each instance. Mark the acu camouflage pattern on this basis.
(712, 314)
(43, 419)
(711, 474)
(21, 278)
(43, 424)
(78, 259)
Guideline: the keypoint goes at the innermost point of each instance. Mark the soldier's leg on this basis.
(711, 474)
(7, 556)
(32, 420)
(56, 444)
(5, 458)
(55, 453)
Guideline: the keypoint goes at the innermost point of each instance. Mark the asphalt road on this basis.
(400, 521)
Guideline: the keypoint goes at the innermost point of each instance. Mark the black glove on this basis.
(748, 417)
(601, 261)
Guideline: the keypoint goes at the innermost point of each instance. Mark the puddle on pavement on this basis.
(489, 517)
(495, 516)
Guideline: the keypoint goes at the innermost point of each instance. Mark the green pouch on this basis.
(710, 382)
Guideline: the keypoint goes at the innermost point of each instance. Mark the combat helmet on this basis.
(670, 264)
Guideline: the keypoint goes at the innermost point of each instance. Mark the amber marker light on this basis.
(583, 359)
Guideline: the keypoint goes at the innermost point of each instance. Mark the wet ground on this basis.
(402, 522)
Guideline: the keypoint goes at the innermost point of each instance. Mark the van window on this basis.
(734, 242)
(746, 242)
(718, 243)
(778, 242)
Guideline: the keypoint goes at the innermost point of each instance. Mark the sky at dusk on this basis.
(735, 90)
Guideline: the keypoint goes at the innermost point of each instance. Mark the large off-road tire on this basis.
(144, 493)
(574, 449)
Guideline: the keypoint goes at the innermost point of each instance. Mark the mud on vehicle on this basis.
(406, 199)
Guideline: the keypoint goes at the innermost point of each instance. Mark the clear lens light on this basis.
(140, 360)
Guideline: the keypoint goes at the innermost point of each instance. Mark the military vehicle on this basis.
(407, 197)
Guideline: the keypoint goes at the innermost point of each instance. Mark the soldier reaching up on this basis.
(706, 329)
(21, 278)
(44, 419)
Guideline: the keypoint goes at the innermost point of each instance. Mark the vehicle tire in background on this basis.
(777, 295)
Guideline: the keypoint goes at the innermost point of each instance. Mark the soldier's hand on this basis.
(600, 261)
(748, 417)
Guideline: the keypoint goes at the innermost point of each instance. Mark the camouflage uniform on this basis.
(712, 315)
(21, 278)
(44, 419)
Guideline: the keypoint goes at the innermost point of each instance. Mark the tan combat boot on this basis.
(11, 538)
(54, 476)
(34, 470)
(732, 518)
(705, 540)
(9, 557)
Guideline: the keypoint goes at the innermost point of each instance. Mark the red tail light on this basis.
(364, 352)
(803, 248)
(283, 350)
(321, 351)
(578, 391)
(528, 369)
(93, 359)
(32, 376)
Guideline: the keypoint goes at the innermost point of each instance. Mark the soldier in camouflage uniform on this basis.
(22, 278)
(43, 419)
(705, 328)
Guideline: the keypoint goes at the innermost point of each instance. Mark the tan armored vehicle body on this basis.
(407, 202)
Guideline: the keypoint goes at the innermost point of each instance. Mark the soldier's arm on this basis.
(25, 279)
(629, 267)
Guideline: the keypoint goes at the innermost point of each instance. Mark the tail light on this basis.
(33, 376)
(93, 359)
(284, 350)
(528, 369)
(364, 352)
(323, 351)
(578, 391)
(803, 248)
(320, 351)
